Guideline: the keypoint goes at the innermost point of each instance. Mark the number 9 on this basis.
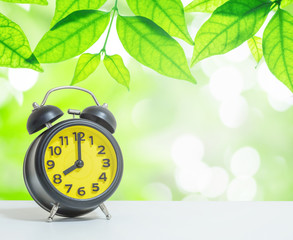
(50, 164)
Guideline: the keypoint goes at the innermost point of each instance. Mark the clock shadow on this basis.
(39, 215)
(25, 214)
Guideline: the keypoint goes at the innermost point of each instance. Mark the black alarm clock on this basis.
(74, 166)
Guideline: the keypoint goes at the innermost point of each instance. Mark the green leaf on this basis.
(278, 47)
(153, 47)
(41, 2)
(285, 3)
(229, 26)
(86, 65)
(207, 6)
(65, 7)
(15, 51)
(72, 36)
(117, 69)
(255, 46)
(169, 15)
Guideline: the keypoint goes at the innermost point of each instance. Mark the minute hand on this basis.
(78, 163)
(79, 146)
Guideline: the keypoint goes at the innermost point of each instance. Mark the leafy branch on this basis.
(149, 36)
(88, 63)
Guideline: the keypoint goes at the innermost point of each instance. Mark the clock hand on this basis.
(78, 163)
(70, 169)
(79, 146)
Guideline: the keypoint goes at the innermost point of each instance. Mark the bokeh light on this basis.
(238, 54)
(245, 162)
(242, 189)
(217, 184)
(233, 112)
(194, 178)
(209, 66)
(22, 79)
(226, 83)
(187, 150)
(279, 96)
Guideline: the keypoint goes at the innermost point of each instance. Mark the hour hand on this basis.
(70, 169)
(77, 164)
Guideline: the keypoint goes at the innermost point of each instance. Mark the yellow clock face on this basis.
(80, 162)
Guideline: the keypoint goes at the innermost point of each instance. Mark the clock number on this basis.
(80, 191)
(102, 151)
(106, 162)
(50, 164)
(57, 150)
(69, 187)
(95, 187)
(81, 136)
(92, 140)
(103, 177)
(57, 179)
(62, 140)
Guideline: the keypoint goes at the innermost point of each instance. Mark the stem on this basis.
(277, 2)
(114, 10)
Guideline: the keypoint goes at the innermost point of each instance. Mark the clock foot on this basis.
(53, 212)
(105, 211)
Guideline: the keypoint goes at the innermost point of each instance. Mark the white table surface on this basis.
(153, 220)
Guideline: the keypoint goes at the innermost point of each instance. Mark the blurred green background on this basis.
(227, 138)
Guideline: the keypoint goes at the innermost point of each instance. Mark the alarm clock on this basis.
(73, 166)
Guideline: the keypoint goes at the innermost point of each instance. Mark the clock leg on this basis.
(105, 211)
(53, 212)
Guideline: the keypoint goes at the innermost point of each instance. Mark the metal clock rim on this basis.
(40, 153)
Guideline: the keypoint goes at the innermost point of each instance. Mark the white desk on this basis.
(153, 220)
